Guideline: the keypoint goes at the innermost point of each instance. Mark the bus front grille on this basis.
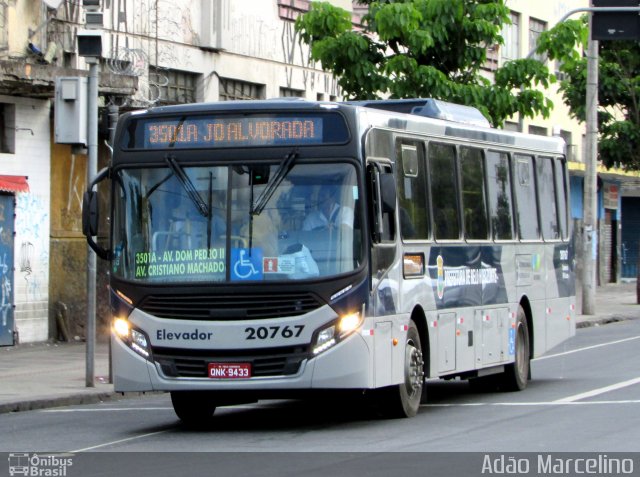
(229, 307)
(181, 363)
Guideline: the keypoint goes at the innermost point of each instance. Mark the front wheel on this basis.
(516, 374)
(193, 408)
(403, 400)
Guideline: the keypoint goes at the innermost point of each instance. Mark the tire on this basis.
(516, 374)
(403, 400)
(193, 408)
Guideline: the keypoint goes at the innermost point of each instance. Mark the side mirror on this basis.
(90, 214)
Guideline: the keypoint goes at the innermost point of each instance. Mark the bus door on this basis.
(384, 273)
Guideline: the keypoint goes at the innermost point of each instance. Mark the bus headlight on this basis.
(135, 339)
(337, 331)
(325, 340)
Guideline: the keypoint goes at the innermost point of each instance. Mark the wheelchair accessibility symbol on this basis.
(246, 264)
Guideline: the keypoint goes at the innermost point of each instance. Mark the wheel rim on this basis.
(414, 369)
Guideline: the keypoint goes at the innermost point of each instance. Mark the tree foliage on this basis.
(425, 48)
(618, 88)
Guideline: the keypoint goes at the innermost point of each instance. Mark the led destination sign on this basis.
(234, 130)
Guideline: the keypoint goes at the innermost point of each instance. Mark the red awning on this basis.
(14, 184)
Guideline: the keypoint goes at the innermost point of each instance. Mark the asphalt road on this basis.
(584, 397)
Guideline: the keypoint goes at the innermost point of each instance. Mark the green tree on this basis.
(425, 48)
(618, 88)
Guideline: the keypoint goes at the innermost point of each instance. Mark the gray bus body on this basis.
(450, 252)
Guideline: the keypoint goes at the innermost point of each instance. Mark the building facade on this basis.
(154, 52)
(618, 190)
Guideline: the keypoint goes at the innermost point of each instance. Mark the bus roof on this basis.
(417, 115)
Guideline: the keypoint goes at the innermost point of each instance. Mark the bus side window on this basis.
(382, 218)
(561, 192)
(499, 195)
(526, 203)
(412, 193)
(473, 194)
(546, 193)
(444, 191)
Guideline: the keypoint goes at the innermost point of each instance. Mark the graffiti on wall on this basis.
(32, 222)
(5, 283)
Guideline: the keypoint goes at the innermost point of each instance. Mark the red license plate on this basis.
(229, 370)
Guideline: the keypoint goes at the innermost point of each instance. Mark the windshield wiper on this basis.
(281, 173)
(188, 186)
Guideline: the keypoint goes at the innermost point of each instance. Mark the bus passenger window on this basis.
(561, 192)
(526, 204)
(473, 197)
(548, 211)
(444, 192)
(499, 195)
(412, 194)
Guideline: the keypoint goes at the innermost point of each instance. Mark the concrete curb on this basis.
(58, 401)
(69, 400)
(605, 320)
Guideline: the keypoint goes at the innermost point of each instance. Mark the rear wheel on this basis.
(516, 374)
(192, 407)
(403, 400)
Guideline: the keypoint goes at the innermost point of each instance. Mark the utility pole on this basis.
(590, 219)
(92, 170)
(90, 47)
(609, 20)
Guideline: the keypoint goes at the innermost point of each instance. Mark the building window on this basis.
(536, 27)
(538, 130)
(231, 90)
(4, 26)
(7, 128)
(491, 63)
(511, 126)
(174, 86)
(511, 35)
(291, 93)
(292, 9)
(359, 10)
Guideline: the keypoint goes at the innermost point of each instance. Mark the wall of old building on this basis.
(31, 242)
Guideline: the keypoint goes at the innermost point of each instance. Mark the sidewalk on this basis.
(44, 375)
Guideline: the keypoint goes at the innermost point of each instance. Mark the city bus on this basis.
(282, 248)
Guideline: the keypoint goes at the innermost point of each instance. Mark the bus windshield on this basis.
(233, 223)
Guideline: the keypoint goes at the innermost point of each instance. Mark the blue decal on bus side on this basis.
(512, 341)
(467, 276)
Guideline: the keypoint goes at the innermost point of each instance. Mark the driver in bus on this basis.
(329, 214)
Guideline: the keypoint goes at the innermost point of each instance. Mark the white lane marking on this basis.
(114, 409)
(103, 409)
(544, 403)
(586, 348)
(119, 441)
(596, 392)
